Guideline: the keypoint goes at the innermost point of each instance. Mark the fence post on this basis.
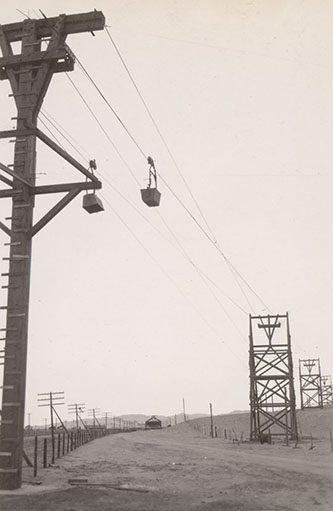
(331, 440)
(35, 456)
(58, 446)
(225, 434)
(71, 440)
(45, 453)
(63, 444)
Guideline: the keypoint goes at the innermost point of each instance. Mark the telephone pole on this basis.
(76, 408)
(29, 74)
(52, 399)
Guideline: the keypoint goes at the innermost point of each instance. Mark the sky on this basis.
(135, 308)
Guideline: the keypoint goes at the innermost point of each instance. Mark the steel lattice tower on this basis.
(272, 394)
(310, 383)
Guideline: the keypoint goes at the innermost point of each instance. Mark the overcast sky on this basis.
(121, 317)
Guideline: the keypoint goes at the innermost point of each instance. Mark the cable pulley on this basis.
(91, 202)
(150, 195)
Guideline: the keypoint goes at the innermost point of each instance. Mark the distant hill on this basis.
(141, 418)
(312, 421)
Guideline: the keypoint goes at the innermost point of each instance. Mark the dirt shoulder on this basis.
(176, 469)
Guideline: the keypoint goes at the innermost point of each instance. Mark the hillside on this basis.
(317, 422)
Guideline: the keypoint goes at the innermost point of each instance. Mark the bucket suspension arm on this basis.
(152, 172)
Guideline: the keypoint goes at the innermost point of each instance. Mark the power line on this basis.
(103, 129)
(199, 271)
(158, 131)
(204, 279)
(177, 247)
(169, 277)
(62, 134)
(50, 131)
(75, 144)
(110, 106)
(180, 248)
(212, 237)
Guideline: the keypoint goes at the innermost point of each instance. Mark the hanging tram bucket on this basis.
(92, 203)
(151, 197)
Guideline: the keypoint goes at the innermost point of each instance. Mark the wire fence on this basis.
(321, 442)
(42, 450)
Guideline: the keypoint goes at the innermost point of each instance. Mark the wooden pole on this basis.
(211, 420)
(45, 453)
(29, 74)
(35, 455)
(52, 432)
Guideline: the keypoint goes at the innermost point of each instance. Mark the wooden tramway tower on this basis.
(326, 390)
(29, 74)
(310, 383)
(272, 393)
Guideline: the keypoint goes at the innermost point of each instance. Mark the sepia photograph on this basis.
(166, 255)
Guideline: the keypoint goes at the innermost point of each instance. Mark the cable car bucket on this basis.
(91, 202)
(150, 195)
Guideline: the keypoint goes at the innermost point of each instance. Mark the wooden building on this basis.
(153, 423)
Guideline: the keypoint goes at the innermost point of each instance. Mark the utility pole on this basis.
(29, 74)
(76, 408)
(106, 420)
(93, 412)
(53, 399)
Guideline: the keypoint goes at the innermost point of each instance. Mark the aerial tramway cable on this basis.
(212, 239)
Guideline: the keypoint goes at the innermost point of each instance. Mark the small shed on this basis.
(153, 423)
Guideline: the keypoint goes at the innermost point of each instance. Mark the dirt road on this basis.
(176, 469)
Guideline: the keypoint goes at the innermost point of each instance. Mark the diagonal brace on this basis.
(5, 229)
(14, 175)
(53, 212)
(48, 141)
